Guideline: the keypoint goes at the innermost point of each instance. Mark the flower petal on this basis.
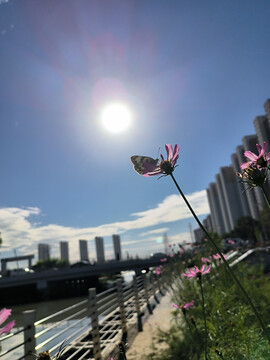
(169, 151)
(6, 329)
(250, 155)
(4, 314)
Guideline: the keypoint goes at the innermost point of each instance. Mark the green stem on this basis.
(188, 324)
(223, 258)
(204, 319)
(265, 196)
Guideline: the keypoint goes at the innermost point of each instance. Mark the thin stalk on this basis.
(188, 324)
(194, 344)
(265, 196)
(223, 258)
(204, 319)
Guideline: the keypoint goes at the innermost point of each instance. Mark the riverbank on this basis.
(144, 341)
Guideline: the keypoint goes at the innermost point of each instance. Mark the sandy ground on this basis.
(142, 345)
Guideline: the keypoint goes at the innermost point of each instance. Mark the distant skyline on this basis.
(191, 73)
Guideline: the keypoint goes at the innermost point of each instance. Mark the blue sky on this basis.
(193, 73)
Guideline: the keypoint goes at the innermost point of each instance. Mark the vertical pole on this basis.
(137, 303)
(92, 301)
(29, 317)
(121, 309)
(159, 284)
(153, 285)
(146, 293)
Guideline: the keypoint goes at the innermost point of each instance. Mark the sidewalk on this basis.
(142, 345)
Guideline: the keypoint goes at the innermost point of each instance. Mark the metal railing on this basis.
(90, 329)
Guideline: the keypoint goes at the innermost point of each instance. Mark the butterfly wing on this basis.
(143, 164)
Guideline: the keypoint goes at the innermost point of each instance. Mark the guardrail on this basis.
(90, 329)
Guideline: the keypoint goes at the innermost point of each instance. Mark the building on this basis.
(117, 247)
(64, 255)
(83, 250)
(100, 249)
(232, 196)
(199, 235)
(228, 198)
(207, 223)
(43, 252)
(215, 209)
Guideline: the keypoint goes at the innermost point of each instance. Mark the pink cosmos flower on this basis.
(158, 270)
(260, 161)
(191, 273)
(4, 314)
(185, 305)
(217, 256)
(230, 241)
(206, 260)
(163, 260)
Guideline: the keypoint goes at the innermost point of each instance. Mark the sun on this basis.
(116, 117)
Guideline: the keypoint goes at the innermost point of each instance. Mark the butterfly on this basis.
(144, 164)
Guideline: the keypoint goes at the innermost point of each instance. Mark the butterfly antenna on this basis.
(158, 152)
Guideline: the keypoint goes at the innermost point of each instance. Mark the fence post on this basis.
(29, 317)
(94, 322)
(159, 284)
(122, 309)
(153, 284)
(137, 303)
(146, 294)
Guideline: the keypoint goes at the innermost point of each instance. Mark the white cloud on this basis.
(155, 231)
(3, 1)
(21, 232)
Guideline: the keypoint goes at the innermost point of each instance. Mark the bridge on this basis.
(77, 280)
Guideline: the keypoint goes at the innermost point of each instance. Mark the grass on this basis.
(232, 329)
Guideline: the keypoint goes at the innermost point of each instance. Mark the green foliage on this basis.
(246, 228)
(232, 329)
(50, 264)
(265, 221)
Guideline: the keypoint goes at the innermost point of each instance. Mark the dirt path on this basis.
(142, 345)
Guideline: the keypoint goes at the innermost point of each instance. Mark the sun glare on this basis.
(116, 117)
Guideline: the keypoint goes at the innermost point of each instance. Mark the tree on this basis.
(265, 221)
(247, 228)
(50, 264)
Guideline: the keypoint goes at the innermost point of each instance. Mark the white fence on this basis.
(90, 329)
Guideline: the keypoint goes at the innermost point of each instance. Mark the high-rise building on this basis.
(83, 250)
(231, 195)
(166, 243)
(100, 249)
(43, 252)
(240, 186)
(215, 209)
(117, 247)
(207, 223)
(267, 109)
(64, 255)
(262, 128)
(223, 206)
(228, 198)
(198, 234)
(249, 143)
